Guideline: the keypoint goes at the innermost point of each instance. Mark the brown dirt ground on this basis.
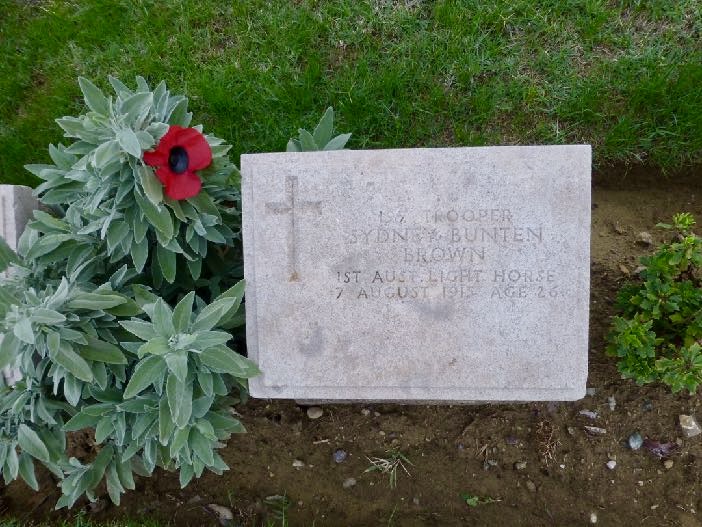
(450, 446)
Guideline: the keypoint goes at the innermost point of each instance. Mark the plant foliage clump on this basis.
(86, 316)
(121, 305)
(658, 335)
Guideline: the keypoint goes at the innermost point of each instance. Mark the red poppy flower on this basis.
(179, 153)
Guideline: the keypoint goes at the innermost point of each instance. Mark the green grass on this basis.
(625, 76)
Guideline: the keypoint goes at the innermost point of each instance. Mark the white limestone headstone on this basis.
(16, 205)
(418, 275)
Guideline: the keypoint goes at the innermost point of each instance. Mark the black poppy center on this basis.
(178, 159)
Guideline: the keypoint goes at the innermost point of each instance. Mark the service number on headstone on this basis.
(453, 274)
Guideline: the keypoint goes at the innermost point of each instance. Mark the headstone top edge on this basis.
(22, 188)
(361, 152)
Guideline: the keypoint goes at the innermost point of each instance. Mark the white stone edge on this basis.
(17, 211)
(247, 201)
(332, 153)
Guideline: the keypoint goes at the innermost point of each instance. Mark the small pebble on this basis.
(647, 405)
(365, 412)
(689, 426)
(635, 441)
(595, 430)
(224, 515)
(644, 238)
(511, 440)
(591, 391)
(612, 402)
(348, 483)
(340, 456)
(589, 414)
(611, 464)
(298, 464)
(97, 506)
(530, 485)
(520, 465)
(593, 517)
(668, 464)
(415, 500)
(314, 412)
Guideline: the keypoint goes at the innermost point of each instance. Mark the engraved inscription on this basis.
(447, 254)
(293, 206)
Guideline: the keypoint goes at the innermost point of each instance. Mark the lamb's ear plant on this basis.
(658, 334)
(322, 138)
(110, 200)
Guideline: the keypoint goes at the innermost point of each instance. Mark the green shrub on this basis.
(121, 302)
(658, 335)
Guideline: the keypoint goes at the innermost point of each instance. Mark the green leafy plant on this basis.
(474, 501)
(111, 203)
(658, 335)
(322, 138)
(277, 507)
(122, 305)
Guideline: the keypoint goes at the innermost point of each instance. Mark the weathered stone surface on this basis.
(689, 426)
(16, 206)
(418, 275)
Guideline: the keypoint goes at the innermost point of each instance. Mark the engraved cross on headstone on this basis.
(293, 206)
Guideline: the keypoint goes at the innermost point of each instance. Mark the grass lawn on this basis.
(625, 76)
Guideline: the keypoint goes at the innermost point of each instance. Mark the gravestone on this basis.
(16, 205)
(418, 275)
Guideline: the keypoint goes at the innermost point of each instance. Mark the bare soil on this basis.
(457, 450)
